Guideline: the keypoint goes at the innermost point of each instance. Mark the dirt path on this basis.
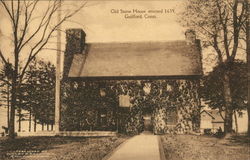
(140, 147)
(190, 147)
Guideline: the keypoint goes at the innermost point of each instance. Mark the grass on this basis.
(63, 148)
(191, 147)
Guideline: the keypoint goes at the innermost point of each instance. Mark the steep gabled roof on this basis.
(215, 114)
(136, 59)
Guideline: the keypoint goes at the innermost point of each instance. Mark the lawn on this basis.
(63, 148)
(191, 147)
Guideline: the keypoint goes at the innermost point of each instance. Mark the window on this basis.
(171, 116)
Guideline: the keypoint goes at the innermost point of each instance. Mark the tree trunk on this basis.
(35, 124)
(117, 119)
(248, 114)
(228, 104)
(13, 105)
(8, 107)
(30, 121)
(236, 122)
(19, 118)
(14, 84)
(42, 126)
(248, 60)
(52, 127)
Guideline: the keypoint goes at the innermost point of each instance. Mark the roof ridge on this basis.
(207, 111)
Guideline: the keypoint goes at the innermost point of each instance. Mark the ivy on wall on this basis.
(82, 101)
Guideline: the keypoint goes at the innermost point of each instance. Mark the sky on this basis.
(103, 21)
(101, 24)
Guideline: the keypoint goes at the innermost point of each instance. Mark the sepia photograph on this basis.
(124, 80)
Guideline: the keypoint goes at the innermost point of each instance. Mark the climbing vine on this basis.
(173, 104)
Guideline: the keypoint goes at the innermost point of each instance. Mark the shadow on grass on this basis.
(240, 140)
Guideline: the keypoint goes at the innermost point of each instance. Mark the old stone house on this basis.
(176, 63)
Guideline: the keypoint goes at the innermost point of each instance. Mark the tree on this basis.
(31, 32)
(37, 92)
(247, 31)
(219, 25)
(5, 91)
(212, 88)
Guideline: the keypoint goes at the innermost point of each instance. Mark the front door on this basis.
(148, 123)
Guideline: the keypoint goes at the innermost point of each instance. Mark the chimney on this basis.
(190, 36)
(75, 39)
(75, 43)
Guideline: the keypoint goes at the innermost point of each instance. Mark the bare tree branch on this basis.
(2, 57)
(44, 39)
(25, 27)
(216, 47)
(21, 16)
(223, 21)
(236, 31)
(7, 10)
(41, 24)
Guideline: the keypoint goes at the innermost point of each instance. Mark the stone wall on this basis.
(184, 98)
(163, 100)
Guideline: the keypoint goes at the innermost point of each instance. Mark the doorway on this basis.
(148, 125)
